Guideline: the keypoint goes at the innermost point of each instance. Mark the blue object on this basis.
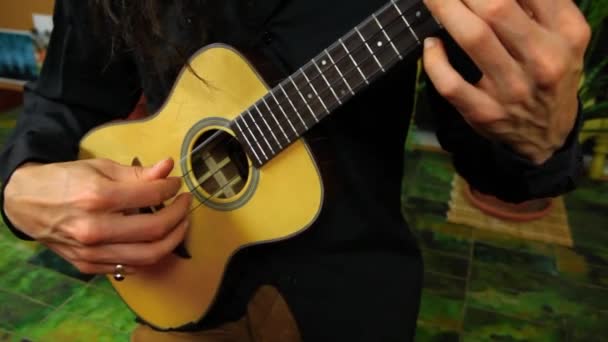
(17, 56)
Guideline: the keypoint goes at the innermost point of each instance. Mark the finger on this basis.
(563, 17)
(475, 37)
(92, 268)
(513, 26)
(544, 12)
(573, 26)
(475, 105)
(129, 195)
(119, 228)
(133, 254)
(68, 253)
(126, 173)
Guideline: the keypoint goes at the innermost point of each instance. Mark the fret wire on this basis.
(344, 64)
(247, 139)
(253, 136)
(427, 27)
(269, 129)
(353, 60)
(397, 27)
(405, 20)
(255, 106)
(397, 36)
(303, 99)
(259, 130)
(284, 113)
(340, 72)
(391, 60)
(370, 49)
(255, 123)
(388, 39)
(327, 82)
(351, 54)
(275, 119)
(314, 90)
(327, 76)
(343, 75)
(294, 107)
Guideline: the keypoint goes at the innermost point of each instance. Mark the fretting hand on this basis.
(83, 211)
(531, 55)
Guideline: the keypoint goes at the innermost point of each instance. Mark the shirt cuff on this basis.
(553, 176)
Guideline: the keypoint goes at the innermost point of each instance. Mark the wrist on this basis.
(568, 139)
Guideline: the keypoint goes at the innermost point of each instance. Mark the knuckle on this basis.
(550, 70)
(84, 255)
(479, 36)
(95, 197)
(520, 91)
(437, 7)
(493, 10)
(102, 162)
(157, 230)
(448, 88)
(84, 267)
(159, 196)
(87, 234)
(151, 258)
(582, 36)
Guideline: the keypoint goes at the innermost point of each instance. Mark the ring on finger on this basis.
(119, 270)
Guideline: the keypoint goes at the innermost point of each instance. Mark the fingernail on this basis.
(430, 42)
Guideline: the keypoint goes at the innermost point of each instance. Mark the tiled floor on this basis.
(479, 286)
(42, 298)
(484, 286)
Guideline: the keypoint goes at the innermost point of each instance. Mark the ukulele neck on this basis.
(338, 73)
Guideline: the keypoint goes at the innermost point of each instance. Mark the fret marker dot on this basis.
(418, 14)
(323, 62)
(379, 43)
(309, 96)
(343, 92)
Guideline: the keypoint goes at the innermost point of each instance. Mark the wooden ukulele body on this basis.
(274, 202)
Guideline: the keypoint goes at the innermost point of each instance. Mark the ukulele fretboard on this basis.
(332, 78)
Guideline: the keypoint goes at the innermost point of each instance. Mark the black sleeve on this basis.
(83, 84)
(494, 168)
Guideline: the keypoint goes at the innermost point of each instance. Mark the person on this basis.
(504, 94)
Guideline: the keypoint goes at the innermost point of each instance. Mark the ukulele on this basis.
(240, 152)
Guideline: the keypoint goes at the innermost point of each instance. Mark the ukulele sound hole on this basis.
(219, 165)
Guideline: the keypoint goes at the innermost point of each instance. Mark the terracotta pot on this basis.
(521, 212)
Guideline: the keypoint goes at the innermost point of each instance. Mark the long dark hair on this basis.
(140, 27)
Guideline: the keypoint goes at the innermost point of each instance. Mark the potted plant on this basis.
(594, 93)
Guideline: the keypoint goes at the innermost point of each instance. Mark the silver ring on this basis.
(118, 272)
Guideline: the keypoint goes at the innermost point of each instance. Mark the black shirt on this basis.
(360, 150)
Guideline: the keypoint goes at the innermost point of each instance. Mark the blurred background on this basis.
(537, 271)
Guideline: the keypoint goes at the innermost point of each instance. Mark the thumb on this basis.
(125, 173)
(157, 171)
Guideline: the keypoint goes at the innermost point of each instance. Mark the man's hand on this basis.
(531, 55)
(85, 212)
